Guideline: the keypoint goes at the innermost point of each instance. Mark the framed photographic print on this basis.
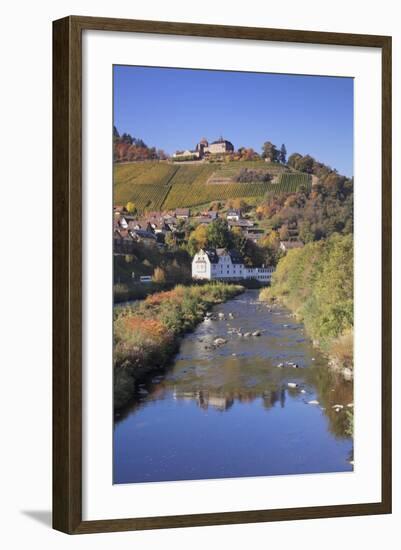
(222, 275)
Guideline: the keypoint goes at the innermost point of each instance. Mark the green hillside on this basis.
(193, 195)
(159, 185)
(290, 183)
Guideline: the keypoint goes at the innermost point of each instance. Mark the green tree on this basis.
(283, 154)
(170, 239)
(306, 233)
(293, 160)
(316, 281)
(270, 151)
(305, 164)
(219, 235)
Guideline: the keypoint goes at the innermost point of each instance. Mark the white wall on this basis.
(25, 289)
(195, 267)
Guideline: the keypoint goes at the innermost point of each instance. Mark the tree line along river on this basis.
(247, 395)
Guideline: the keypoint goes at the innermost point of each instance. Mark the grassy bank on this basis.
(316, 283)
(146, 334)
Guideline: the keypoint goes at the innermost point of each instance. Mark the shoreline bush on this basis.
(316, 283)
(147, 333)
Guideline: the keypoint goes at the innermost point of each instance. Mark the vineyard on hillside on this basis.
(193, 174)
(290, 183)
(232, 168)
(182, 195)
(145, 197)
(157, 185)
(144, 173)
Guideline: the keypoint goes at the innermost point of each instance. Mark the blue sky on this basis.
(173, 109)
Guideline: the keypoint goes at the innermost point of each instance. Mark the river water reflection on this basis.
(231, 410)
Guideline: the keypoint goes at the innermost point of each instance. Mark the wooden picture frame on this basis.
(67, 273)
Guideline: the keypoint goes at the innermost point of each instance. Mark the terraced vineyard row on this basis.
(290, 183)
(145, 197)
(193, 173)
(161, 173)
(183, 195)
(153, 185)
(144, 173)
(231, 169)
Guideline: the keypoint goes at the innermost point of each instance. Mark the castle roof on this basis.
(222, 140)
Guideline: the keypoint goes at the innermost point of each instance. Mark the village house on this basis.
(124, 239)
(206, 217)
(233, 215)
(254, 234)
(182, 213)
(145, 237)
(212, 214)
(223, 264)
(121, 222)
(118, 209)
(187, 154)
(135, 225)
(289, 245)
(123, 242)
(242, 223)
(202, 220)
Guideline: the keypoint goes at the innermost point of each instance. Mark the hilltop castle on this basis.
(204, 149)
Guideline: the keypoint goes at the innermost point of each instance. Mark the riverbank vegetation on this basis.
(146, 334)
(316, 283)
(167, 267)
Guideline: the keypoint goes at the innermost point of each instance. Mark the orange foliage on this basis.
(147, 326)
(159, 297)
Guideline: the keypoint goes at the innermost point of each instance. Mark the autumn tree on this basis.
(130, 207)
(271, 240)
(120, 150)
(248, 154)
(216, 206)
(240, 204)
(159, 275)
(161, 155)
(270, 151)
(284, 233)
(198, 239)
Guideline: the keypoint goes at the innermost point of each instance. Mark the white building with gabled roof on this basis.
(221, 264)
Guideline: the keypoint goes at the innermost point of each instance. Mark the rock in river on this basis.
(219, 341)
(347, 373)
(256, 333)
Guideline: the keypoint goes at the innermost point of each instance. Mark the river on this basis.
(239, 409)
